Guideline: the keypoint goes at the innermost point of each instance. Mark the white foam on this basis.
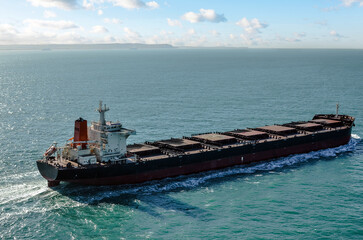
(18, 176)
(20, 192)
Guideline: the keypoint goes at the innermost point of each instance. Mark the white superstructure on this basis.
(106, 142)
(110, 136)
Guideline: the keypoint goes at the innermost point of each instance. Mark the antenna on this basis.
(337, 112)
(102, 113)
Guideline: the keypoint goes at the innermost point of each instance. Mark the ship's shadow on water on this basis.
(142, 201)
(152, 195)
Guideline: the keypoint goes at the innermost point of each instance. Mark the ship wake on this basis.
(92, 195)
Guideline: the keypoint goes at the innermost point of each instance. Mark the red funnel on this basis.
(80, 132)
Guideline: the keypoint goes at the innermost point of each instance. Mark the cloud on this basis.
(289, 39)
(134, 4)
(68, 38)
(251, 27)
(63, 4)
(49, 14)
(300, 35)
(204, 15)
(336, 35)
(322, 23)
(100, 12)
(50, 24)
(191, 31)
(174, 22)
(7, 29)
(345, 3)
(112, 20)
(215, 33)
(99, 29)
(330, 9)
(88, 5)
(252, 39)
(252, 30)
(132, 35)
(349, 3)
(296, 38)
(10, 35)
(110, 39)
(152, 5)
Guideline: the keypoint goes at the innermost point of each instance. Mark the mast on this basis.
(102, 113)
(336, 115)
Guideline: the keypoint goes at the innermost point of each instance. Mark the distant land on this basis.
(47, 47)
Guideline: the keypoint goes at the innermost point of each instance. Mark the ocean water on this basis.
(171, 93)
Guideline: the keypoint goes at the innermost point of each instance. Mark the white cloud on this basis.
(174, 22)
(232, 36)
(132, 35)
(152, 5)
(68, 38)
(99, 29)
(7, 29)
(112, 20)
(88, 5)
(63, 4)
(296, 38)
(300, 35)
(191, 31)
(336, 35)
(34, 23)
(289, 39)
(10, 35)
(321, 23)
(49, 14)
(251, 27)
(333, 33)
(165, 33)
(134, 4)
(330, 9)
(349, 3)
(252, 31)
(110, 39)
(204, 15)
(215, 33)
(100, 12)
(252, 39)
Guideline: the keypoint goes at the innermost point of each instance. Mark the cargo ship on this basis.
(98, 154)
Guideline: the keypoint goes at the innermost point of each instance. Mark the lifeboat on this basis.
(52, 149)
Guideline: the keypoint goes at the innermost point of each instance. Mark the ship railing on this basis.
(344, 118)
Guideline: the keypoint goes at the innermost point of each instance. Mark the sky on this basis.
(197, 23)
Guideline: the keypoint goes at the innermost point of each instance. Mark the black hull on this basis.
(116, 174)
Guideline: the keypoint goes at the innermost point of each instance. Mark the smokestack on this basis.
(80, 132)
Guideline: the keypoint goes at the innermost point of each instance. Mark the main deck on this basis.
(216, 141)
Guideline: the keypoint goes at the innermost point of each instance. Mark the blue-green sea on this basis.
(174, 93)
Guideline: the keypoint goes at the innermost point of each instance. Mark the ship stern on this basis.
(49, 172)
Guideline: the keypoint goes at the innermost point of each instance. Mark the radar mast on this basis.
(102, 113)
(337, 112)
